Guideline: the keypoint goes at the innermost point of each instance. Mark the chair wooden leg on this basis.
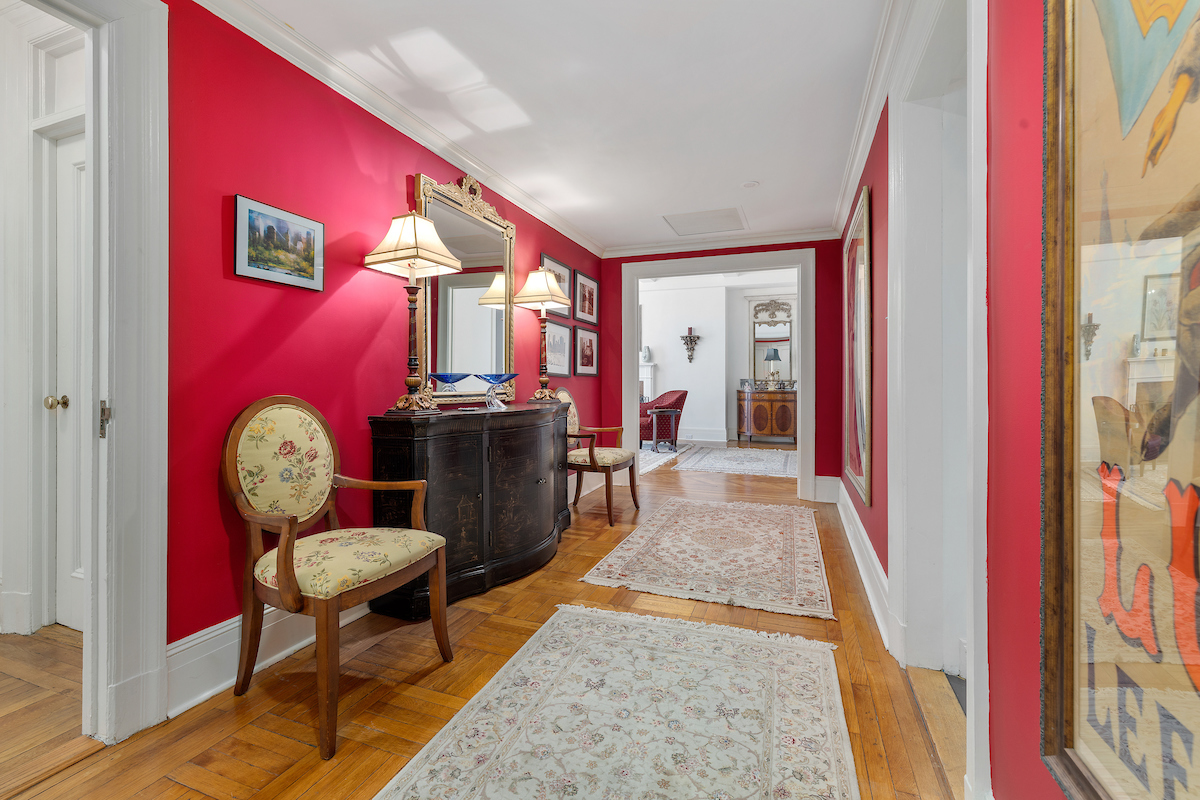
(437, 604)
(252, 620)
(608, 494)
(327, 675)
(578, 487)
(633, 482)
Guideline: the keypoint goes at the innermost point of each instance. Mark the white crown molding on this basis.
(729, 242)
(249, 18)
(887, 44)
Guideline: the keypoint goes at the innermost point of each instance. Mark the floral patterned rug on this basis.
(740, 461)
(604, 704)
(743, 554)
(648, 460)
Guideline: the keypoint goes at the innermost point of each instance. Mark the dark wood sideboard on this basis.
(497, 492)
(766, 413)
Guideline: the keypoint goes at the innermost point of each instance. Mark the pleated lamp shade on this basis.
(495, 295)
(541, 292)
(412, 249)
(772, 355)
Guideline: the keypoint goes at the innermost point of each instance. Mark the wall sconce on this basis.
(1088, 331)
(689, 342)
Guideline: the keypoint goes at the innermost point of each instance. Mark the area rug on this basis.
(743, 554)
(605, 704)
(740, 461)
(650, 460)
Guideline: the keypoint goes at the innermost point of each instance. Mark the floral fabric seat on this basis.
(328, 564)
(605, 456)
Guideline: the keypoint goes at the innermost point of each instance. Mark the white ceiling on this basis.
(613, 114)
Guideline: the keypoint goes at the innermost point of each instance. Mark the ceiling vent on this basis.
(719, 221)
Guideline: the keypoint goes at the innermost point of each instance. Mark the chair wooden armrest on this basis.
(418, 488)
(288, 527)
(619, 431)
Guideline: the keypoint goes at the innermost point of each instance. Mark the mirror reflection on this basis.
(772, 350)
(463, 335)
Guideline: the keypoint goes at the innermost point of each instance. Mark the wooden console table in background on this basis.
(766, 413)
(497, 492)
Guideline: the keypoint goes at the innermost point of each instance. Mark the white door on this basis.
(71, 420)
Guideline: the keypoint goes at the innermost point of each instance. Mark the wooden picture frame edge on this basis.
(580, 275)
(570, 346)
(863, 487)
(577, 330)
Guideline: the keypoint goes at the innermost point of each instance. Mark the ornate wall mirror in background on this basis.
(455, 333)
(771, 335)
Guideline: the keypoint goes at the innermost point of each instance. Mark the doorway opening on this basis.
(48, 446)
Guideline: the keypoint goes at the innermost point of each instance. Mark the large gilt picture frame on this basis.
(1121, 444)
(856, 345)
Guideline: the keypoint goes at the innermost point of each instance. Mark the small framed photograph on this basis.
(586, 299)
(277, 245)
(1160, 307)
(558, 350)
(747, 384)
(587, 351)
(562, 274)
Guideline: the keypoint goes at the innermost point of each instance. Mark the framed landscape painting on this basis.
(562, 274)
(276, 245)
(1121, 600)
(558, 350)
(856, 337)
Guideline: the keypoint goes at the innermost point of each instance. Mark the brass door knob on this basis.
(51, 402)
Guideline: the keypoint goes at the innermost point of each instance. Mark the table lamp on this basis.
(540, 292)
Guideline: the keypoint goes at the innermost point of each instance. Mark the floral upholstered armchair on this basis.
(604, 460)
(281, 470)
(646, 420)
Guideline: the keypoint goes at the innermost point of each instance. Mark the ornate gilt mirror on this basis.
(454, 332)
(771, 334)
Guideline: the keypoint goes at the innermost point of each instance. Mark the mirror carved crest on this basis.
(772, 308)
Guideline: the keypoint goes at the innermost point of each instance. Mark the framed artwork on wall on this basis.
(587, 351)
(1121, 645)
(856, 337)
(586, 299)
(1160, 307)
(562, 274)
(276, 245)
(558, 350)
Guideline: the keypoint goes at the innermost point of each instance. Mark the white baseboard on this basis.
(16, 615)
(873, 576)
(205, 663)
(129, 710)
(690, 434)
(828, 489)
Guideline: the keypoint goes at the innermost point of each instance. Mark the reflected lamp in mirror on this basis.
(413, 250)
(772, 374)
(541, 293)
(497, 294)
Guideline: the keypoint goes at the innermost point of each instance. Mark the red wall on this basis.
(875, 177)
(1015, 397)
(244, 121)
(828, 339)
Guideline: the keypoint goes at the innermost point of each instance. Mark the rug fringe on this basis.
(703, 597)
(726, 630)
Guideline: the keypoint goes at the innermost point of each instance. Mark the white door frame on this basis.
(904, 37)
(805, 261)
(124, 687)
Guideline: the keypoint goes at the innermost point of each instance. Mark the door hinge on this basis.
(105, 418)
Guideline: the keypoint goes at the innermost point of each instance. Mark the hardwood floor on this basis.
(395, 692)
(946, 722)
(41, 706)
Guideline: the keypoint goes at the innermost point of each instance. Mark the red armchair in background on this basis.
(675, 400)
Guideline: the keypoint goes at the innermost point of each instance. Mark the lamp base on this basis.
(417, 403)
(544, 395)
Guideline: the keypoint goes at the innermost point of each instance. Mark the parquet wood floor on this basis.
(396, 693)
(41, 706)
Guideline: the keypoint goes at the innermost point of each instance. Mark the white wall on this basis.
(737, 340)
(666, 315)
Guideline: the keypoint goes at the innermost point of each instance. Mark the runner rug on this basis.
(605, 704)
(742, 554)
(650, 460)
(740, 461)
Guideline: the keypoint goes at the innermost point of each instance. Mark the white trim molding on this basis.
(874, 579)
(828, 489)
(692, 245)
(205, 664)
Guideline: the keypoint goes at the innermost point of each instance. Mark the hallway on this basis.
(395, 694)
